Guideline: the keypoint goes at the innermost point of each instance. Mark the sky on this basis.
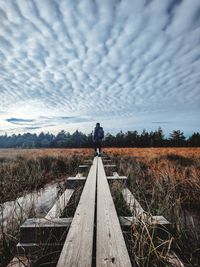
(129, 64)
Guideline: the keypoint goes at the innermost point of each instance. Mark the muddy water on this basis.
(35, 204)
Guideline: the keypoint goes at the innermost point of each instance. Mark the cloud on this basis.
(18, 120)
(79, 61)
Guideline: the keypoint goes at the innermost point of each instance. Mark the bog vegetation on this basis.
(165, 181)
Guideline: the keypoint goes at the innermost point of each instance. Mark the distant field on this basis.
(136, 152)
(155, 152)
(42, 152)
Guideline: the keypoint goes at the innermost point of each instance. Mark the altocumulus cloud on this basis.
(65, 64)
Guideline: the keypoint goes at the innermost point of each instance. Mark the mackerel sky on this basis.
(129, 64)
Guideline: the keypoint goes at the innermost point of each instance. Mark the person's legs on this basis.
(95, 148)
(99, 147)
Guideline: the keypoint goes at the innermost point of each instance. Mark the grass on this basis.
(24, 171)
(165, 181)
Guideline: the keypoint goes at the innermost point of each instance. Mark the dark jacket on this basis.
(98, 134)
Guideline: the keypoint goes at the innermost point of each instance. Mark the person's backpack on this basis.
(100, 133)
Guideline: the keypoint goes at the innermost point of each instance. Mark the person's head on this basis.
(98, 124)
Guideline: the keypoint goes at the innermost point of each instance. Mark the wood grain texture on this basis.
(78, 247)
(60, 204)
(152, 220)
(133, 204)
(110, 245)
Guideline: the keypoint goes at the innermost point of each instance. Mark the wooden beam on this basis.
(117, 177)
(106, 160)
(138, 212)
(123, 178)
(75, 182)
(83, 166)
(153, 220)
(19, 261)
(109, 166)
(110, 245)
(60, 204)
(75, 178)
(133, 204)
(78, 246)
(41, 230)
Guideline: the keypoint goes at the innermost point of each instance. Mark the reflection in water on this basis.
(36, 204)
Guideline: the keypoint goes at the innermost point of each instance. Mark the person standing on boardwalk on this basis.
(97, 138)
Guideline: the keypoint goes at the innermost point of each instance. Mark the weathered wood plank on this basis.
(60, 204)
(39, 230)
(77, 250)
(110, 245)
(75, 182)
(153, 220)
(133, 204)
(109, 166)
(117, 177)
(84, 166)
(19, 261)
(123, 178)
(82, 178)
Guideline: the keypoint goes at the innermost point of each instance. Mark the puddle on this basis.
(35, 203)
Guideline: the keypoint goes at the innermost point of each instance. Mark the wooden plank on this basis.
(60, 204)
(43, 223)
(123, 178)
(109, 166)
(115, 174)
(106, 160)
(75, 178)
(78, 246)
(75, 182)
(39, 230)
(110, 245)
(133, 204)
(153, 220)
(19, 261)
(117, 177)
(83, 166)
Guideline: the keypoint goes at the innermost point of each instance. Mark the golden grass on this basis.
(154, 152)
(165, 181)
(42, 152)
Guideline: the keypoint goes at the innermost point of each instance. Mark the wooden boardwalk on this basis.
(94, 237)
(78, 247)
(110, 245)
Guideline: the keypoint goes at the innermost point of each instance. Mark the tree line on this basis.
(79, 139)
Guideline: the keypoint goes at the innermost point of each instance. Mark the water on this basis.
(36, 204)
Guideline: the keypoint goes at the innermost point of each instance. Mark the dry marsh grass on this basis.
(23, 171)
(165, 181)
(42, 152)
